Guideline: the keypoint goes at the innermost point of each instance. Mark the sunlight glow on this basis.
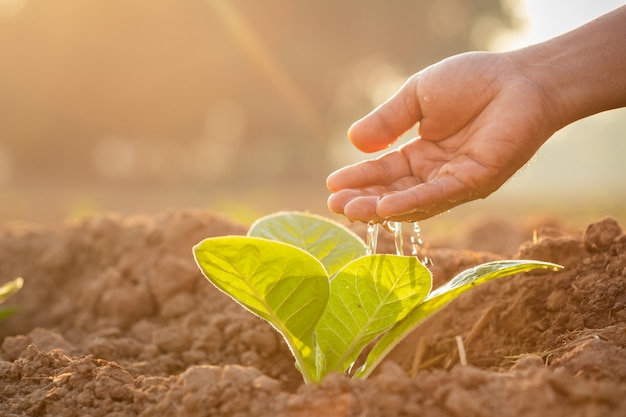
(546, 19)
(11, 8)
(286, 87)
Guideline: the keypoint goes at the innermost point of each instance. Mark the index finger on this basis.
(426, 199)
(380, 171)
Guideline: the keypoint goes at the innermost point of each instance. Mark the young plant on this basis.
(7, 290)
(310, 278)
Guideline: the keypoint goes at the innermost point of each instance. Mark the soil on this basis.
(115, 319)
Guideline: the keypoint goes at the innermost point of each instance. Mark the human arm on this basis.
(480, 117)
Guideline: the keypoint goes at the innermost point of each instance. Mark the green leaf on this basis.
(367, 297)
(330, 242)
(10, 288)
(276, 281)
(440, 297)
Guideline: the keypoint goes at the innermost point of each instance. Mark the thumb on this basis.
(385, 124)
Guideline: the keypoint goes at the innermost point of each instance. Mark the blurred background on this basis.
(241, 106)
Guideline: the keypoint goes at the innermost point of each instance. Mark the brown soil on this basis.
(116, 320)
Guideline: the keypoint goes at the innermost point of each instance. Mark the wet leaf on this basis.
(330, 242)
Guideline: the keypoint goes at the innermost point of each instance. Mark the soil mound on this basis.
(115, 319)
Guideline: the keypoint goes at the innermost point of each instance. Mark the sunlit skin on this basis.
(479, 117)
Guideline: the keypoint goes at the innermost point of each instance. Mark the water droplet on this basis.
(371, 238)
(417, 243)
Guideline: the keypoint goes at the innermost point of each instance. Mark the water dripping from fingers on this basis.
(417, 244)
(397, 238)
(371, 238)
(416, 239)
(415, 235)
(396, 229)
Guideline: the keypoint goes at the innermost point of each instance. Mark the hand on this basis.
(480, 119)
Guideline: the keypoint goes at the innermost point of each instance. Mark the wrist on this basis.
(581, 72)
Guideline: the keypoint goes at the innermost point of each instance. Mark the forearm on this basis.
(582, 72)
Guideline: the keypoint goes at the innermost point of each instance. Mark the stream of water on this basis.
(372, 238)
(396, 228)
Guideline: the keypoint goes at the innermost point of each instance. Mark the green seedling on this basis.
(6, 290)
(311, 279)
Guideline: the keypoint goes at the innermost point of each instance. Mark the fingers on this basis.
(337, 201)
(352, 176)
(374, 172)
(425, 200)
(355, 206)
(417, 202)
(390, 120)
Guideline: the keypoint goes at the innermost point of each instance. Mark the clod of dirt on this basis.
(115, 319)
(600, 236)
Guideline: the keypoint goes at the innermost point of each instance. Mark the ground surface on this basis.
(116, 320)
